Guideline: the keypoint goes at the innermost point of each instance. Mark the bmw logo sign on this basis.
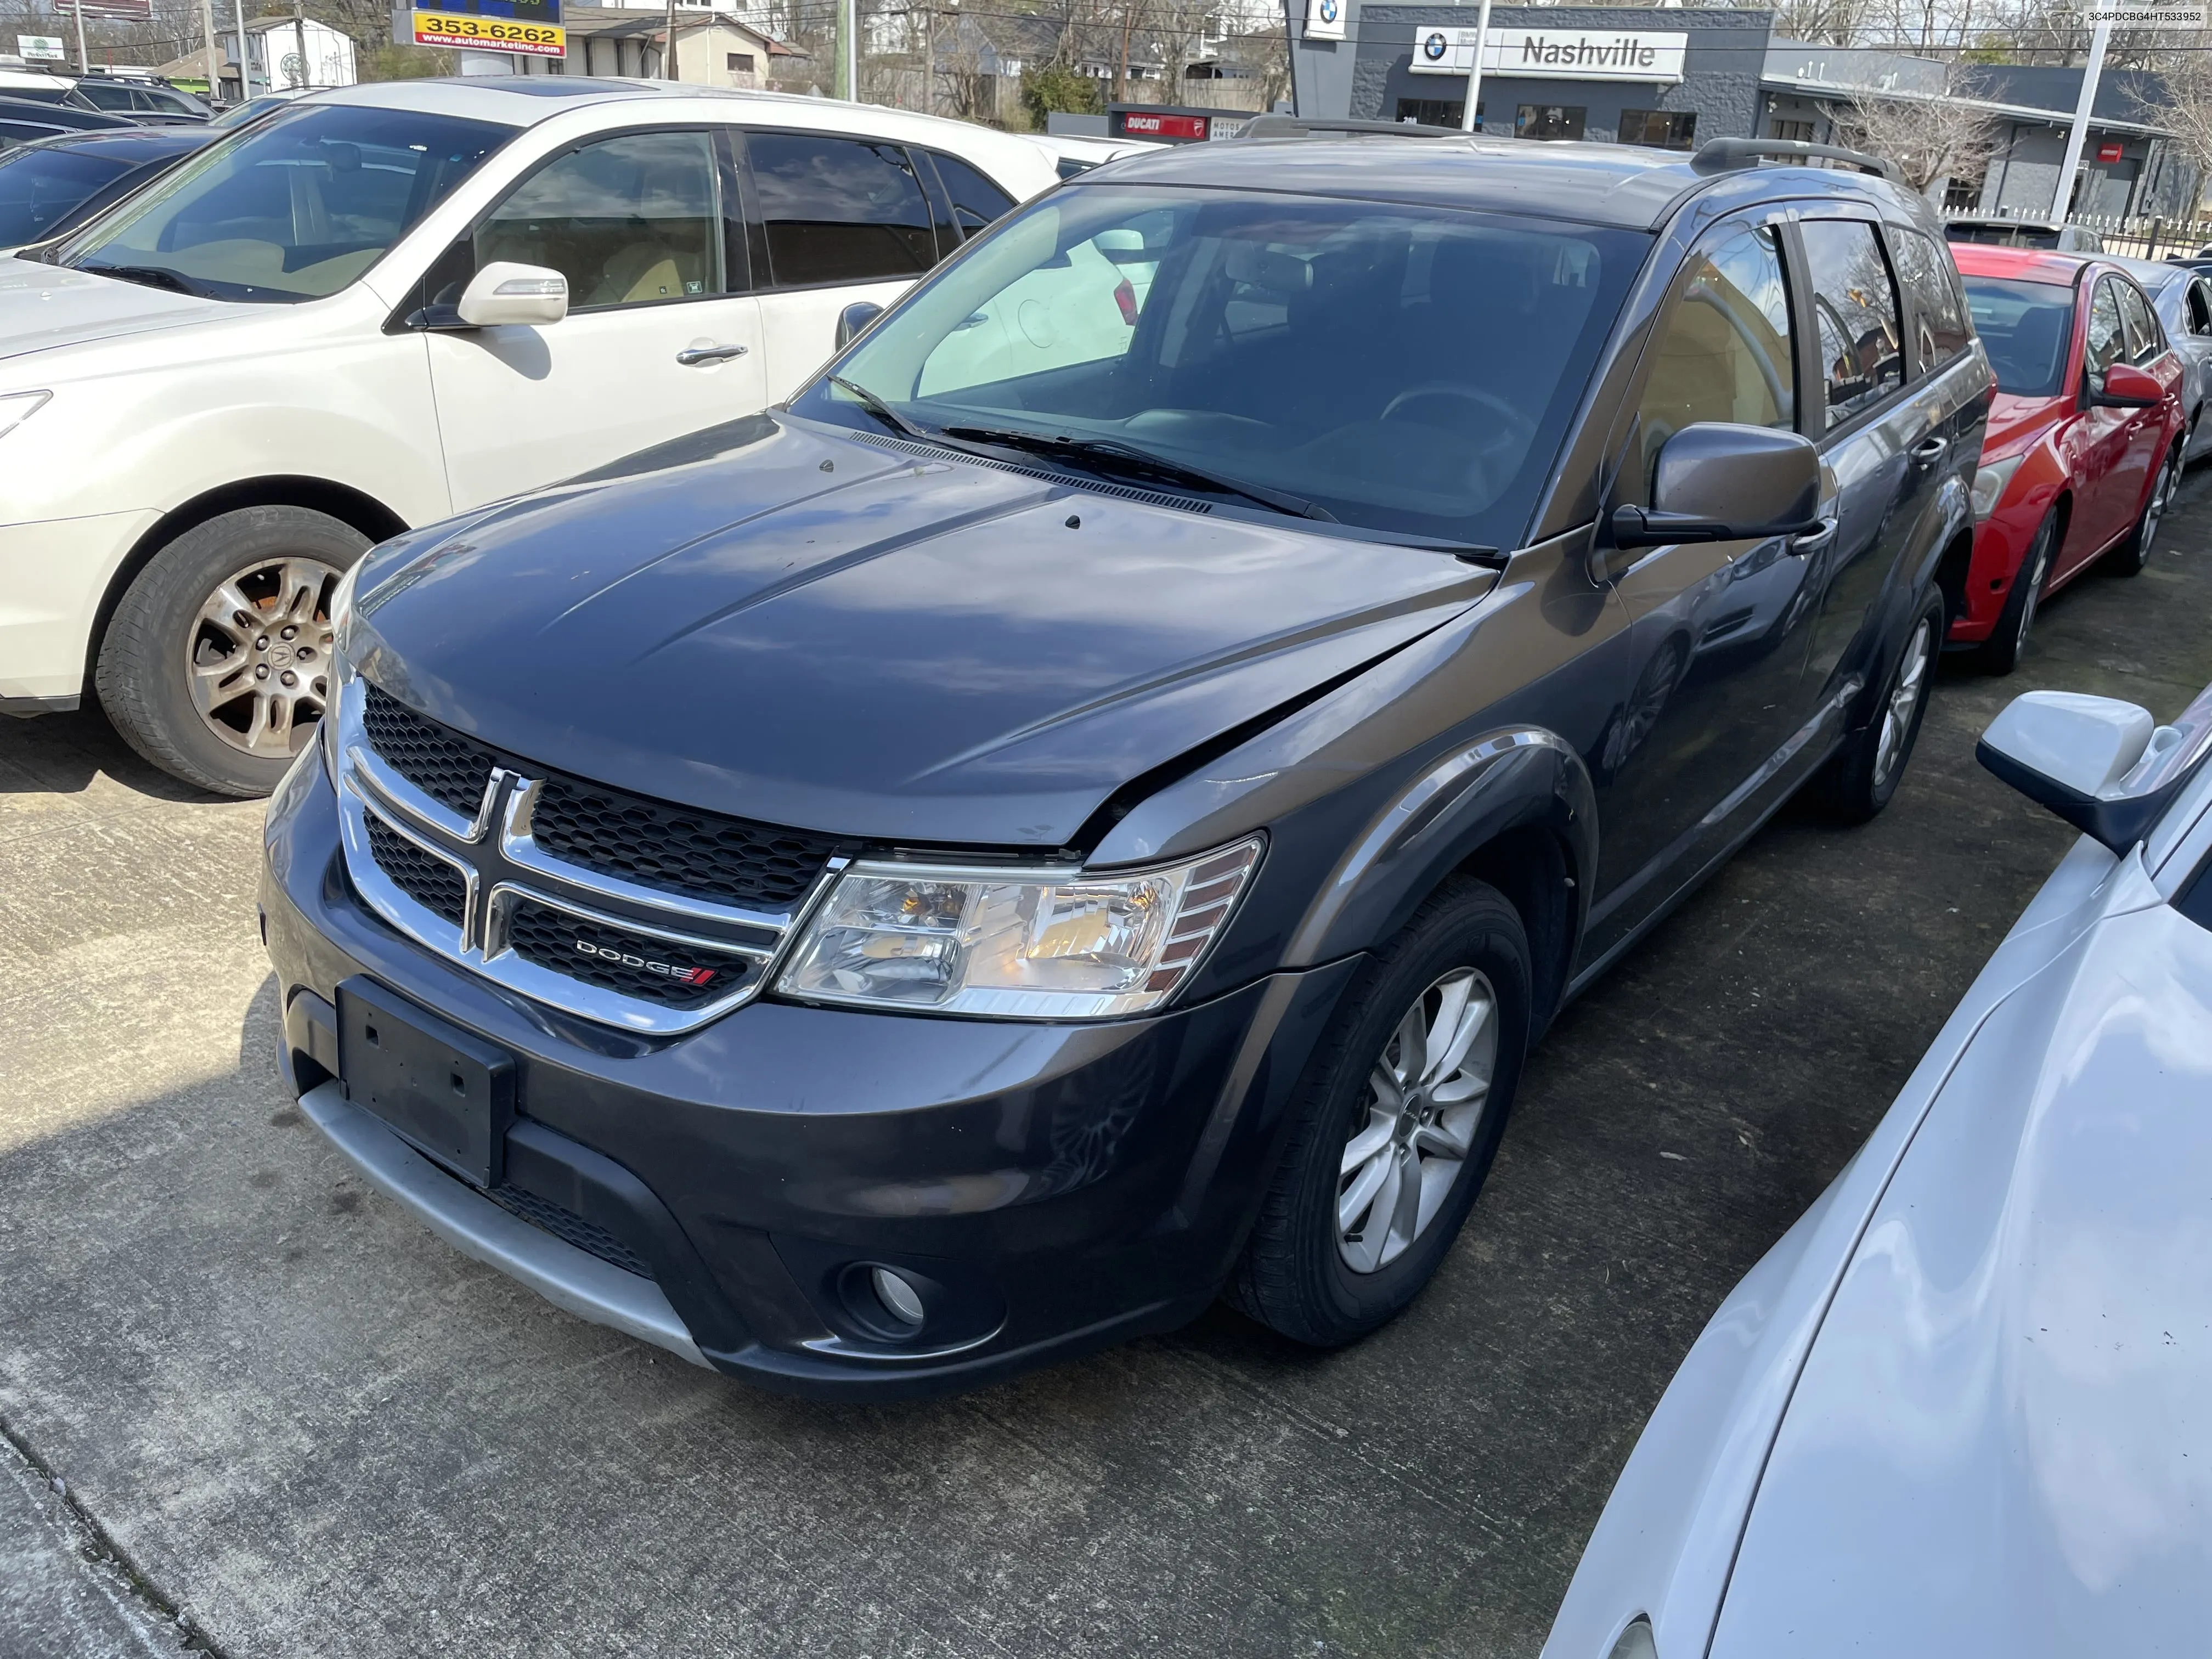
(1329, 11)
(1433, 48)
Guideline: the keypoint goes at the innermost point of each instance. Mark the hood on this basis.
(2001, 1441)
(43, 306)
(2017, 422)
(816, 630)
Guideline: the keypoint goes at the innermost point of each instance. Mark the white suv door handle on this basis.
(691, 357)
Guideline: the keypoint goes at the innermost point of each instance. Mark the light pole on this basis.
(1474, 75)
(2062, 203)
(849, 50)
(214, 62)
(245, 60)
(83, 64)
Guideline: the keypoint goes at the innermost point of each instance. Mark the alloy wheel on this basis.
(257, 656)
(1903, 699)
(2161, 496)
(2034, 576)
(1425, 1095)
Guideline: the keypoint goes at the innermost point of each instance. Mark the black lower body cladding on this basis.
(1045, 1188)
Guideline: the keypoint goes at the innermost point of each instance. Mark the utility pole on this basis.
(1474, 75)
(299, 40)
(83, 64)
(2064, 200)
(214, 58)
(668, 53)
(849, 50)
(244, 62)
(929, 57)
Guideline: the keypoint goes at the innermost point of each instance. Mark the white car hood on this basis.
(2002, 1440)
(44, 306)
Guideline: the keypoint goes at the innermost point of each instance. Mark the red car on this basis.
(2085, 436)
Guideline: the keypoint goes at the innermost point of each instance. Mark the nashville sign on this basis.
(1554, 54)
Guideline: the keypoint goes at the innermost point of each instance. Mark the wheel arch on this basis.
(371, 517)
(1515, 808)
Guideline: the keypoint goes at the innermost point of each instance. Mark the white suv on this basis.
(393, 303)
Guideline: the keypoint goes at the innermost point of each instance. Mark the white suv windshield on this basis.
(291, 209)
(1407, 370)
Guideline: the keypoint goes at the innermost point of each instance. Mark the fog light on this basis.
(902, 1301)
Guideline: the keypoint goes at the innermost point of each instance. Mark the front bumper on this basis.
(52, 578)
(1057, 1188)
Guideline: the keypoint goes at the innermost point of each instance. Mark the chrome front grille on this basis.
(639, 914)
(730, 861)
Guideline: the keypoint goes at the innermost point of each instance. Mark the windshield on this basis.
(1404, 369)
(2025, 327)
(39, 188)
(289, 209)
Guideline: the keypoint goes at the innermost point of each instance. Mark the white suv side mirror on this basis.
(504, 292)
(2103, 765)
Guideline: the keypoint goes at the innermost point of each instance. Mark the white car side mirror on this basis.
(505, 293)
(2103, 765)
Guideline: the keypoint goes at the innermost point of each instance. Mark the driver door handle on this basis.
(1814, 542)
(695, 355)
(1929, 451)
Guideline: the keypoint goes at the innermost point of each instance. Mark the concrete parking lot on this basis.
(253, 1409)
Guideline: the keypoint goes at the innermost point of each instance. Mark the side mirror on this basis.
(852, 321)
(1721, 482)
(2103, 765)
(2125, 386)
(505, 293)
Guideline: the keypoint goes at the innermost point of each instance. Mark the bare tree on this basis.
(1931, 140)
(2185, 111)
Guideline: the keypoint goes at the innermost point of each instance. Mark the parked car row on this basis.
(717, 581)
(140, 100)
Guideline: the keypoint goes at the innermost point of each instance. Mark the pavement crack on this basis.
(99, 1548)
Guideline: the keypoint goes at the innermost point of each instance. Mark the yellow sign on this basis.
(445, 28)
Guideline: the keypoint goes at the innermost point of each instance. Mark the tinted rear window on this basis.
(2025, 327)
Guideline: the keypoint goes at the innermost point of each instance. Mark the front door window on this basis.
(631, 220)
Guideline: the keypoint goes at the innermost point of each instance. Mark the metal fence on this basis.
(2147, 239)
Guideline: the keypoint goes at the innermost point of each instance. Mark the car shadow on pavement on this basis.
(70, 754)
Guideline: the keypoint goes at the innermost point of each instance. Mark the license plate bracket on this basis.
(447, 1090)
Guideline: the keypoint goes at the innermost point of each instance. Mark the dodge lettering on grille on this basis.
(683, 975)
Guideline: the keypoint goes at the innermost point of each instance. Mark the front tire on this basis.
(1401, 1115)
(215, 664)
(2000, 653)
(1863, 774)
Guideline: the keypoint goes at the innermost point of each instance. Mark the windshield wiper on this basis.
(149, 275)
(882, 411)
(1111, 454)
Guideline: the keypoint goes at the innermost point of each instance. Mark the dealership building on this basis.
(1673, 78)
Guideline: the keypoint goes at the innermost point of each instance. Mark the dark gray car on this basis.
(1090, 804)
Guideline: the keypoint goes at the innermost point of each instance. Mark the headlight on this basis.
(1008, 944)
(1635, 1642)
(1989, 484)
(17, 407)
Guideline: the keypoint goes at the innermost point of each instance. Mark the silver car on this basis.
(2183, 299)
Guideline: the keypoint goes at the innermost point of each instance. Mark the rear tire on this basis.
(214, 664)
(1362, 1208)
(1859, 781)
(2000, 653)
(2132, 556)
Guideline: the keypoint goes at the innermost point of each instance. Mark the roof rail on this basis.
(1299, 127)
(1729, 154)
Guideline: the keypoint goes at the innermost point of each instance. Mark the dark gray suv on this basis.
(1088, 806)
